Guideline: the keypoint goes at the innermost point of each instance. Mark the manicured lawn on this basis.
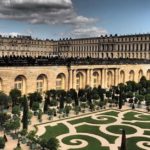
(54, 131)
(147, 132)
(131, 116)
(93, 144)
(117, 129)
(92, 121)
(111, 113)
(143, 125)
(131, 143)
(95, 130)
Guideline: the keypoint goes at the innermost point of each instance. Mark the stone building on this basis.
(41, 78)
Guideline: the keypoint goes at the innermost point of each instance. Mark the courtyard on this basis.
(100, 130)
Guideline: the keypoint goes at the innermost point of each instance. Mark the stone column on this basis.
(100, 78)
(116, 76)
(91, 77)
(70, 79)
(104, 78)
(88, 77)
(74, 80)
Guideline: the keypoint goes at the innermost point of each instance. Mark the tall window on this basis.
(61, 82)
(79, 81)
(95, 79)
(20, 83)
(41, 84)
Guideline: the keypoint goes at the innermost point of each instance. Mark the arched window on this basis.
(140, 74)
(1, 85)
(41, 83)
(79, 81)
(20, 83)
(122, 77)
(95, 79)
(148, 74)
(109, 79)
(61, 82)
(131, 75)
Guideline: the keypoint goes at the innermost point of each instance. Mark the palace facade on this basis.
(45, 77)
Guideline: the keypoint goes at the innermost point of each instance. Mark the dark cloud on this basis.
(41, 11)
(49, 12)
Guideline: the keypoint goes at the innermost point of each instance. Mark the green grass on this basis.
(95, 130)
(117, 129)
(147, 133)
(131, 143)
(54, 131)
(143, 125)
(92, 121)
(111, 113)
(131, 116)
(93, 144)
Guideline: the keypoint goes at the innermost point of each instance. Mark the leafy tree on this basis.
(67, 110)
(2, 142)
(3, 118)
(51, 93)
(16, 110)
(15, 94)
(40, 115)
(46, 104)
(73, 94)
(101, 92)
(140, 98)
(12, 124)
(81, 93)
(120, 101)
(143, 81)
(129, 94)
(34, 97)
(147, 99)
(4, 101)
(35, 106)
(52, 144)
(108, 94)
(53, 102)
(25, 113)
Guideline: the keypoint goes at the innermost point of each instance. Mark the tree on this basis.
(140, 98)
(25, 113)
(123, 141)
(3, 118)
(67, 110)
(120, 101)
(2, 143)
(34, 97)
(4, 101)
(16, 110)
(46, 103)
(35, 106)
(147, 99)
(108, 94)
(40, 115)
(52, 144)
(12, 124)
(143, 82)
(73, 94)
(15, 94)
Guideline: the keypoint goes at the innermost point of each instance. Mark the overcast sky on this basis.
(56, 19)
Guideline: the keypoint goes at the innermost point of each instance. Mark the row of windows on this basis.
(107, 47)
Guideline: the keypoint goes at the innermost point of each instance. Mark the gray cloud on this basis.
(42, 11)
